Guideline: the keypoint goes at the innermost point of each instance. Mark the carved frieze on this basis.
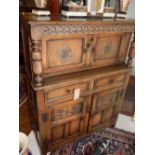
(85, 28)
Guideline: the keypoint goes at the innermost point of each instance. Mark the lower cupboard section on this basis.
(67, 111)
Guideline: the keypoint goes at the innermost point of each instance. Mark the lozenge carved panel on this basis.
(106, 100)
(66, 112)
(64, 52)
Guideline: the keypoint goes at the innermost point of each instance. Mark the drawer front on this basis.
(63, 53)
(113, 81)
(110, 49)
(65, 93)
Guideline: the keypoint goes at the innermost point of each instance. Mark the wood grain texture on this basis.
(63, 56)
(61, 46)
(96, 108)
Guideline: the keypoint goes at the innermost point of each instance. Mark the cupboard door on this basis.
(109, 49)
(63, 53)
(104, 108)
(66, 121)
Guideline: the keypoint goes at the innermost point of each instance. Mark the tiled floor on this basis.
(124, 122)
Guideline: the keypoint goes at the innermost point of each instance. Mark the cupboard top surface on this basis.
(62, 80)
(30, 18)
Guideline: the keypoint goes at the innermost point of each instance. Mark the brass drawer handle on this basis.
(85, 50)
(93, 49)
(88, 45)
(92, 39)
(111, 80)
(68, 90)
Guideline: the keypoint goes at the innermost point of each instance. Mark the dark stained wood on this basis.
(55, 7)
(24, 119)
(64, 57)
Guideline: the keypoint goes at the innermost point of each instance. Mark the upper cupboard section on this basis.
(59, 46)
(70, 53)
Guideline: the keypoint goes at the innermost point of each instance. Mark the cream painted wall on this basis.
(131, 14)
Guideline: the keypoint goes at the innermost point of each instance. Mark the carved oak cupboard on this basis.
(76, 74)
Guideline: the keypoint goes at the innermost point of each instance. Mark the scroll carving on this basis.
(131, 52)
(36, 62)
(86, 28)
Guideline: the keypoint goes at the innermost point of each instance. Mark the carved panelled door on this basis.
(67, 120)
(109, 48)
(63, 52)
(105, 106)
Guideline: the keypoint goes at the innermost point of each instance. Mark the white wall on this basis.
(131, 10)
(131, 14)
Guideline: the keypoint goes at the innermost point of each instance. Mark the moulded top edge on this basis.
(31, 19)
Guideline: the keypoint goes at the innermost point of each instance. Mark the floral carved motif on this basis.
(64, 54)
(105, 100)
(85, 28)
(107, 46)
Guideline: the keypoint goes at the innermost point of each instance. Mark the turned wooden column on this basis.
(36, 63)
(131, 54)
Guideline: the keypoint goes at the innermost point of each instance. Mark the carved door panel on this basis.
(104, 109)
(109, 49)
(63, 53)
(66, 121)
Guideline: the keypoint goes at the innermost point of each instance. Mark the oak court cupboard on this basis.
(76, 74)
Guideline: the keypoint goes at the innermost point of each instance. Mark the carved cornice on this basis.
(86, 28)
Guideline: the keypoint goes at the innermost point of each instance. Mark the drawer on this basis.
(65, 93)
(110, 81)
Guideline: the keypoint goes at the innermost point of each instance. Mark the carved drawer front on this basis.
(103, 109)
(110, 82)
(63, 53)
(67, 93)
(66, 120)
(110, 49)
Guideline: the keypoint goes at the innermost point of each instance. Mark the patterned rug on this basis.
(109, 141)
